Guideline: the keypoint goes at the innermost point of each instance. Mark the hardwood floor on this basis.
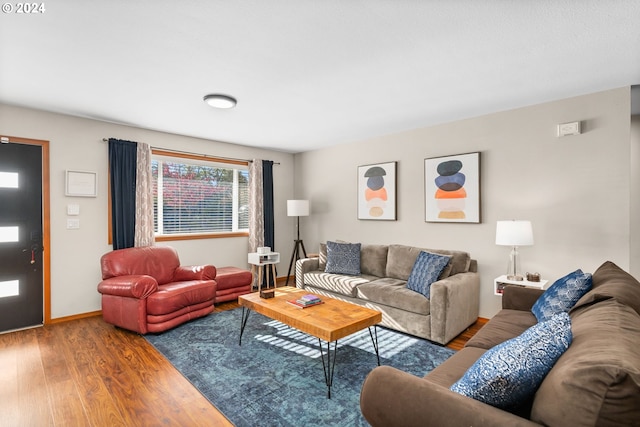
(87, 373)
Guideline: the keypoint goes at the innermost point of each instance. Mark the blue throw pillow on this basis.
(511, 372)
(425, 271)
(343, 258)
(562, 295)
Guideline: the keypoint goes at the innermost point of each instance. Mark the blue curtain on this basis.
(122, 171)
(267, 194)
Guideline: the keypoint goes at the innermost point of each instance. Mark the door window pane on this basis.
(9, 288)
(8, 180)
(9, 234)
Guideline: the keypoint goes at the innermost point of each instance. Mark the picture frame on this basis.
(377, 191)
(452, 188)
(81, 184)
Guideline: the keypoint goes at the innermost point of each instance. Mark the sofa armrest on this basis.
(455, 304)
(391, 397)
(138, 286)
(194, 272)
(519, 298)
(303, 266)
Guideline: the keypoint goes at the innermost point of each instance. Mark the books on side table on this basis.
(306, 301)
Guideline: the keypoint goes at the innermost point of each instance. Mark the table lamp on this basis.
(514, 233)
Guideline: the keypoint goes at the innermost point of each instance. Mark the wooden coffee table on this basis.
(329, 322)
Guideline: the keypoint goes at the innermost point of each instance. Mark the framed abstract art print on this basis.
(452, 188)
(377, 191)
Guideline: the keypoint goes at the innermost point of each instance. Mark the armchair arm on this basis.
(519, 298)
(455, 304)
(138, 286)
(304, 266)
(391, 397)
(194, 272)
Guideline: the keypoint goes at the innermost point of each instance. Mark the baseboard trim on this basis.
(75, 317)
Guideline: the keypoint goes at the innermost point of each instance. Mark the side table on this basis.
(500, 282)
(261, 262)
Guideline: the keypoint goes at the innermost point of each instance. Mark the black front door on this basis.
(21, 225)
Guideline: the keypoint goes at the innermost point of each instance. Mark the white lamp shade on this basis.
(514, 233)
(297, 208)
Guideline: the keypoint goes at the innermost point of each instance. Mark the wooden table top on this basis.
(330, 321)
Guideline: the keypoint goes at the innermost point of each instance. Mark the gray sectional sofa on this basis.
(454, 298)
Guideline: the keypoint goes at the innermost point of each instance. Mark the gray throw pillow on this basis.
(426, 270)
(343, 258)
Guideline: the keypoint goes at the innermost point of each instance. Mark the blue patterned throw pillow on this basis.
(512, 371)
(562, 295)
(343, 258)
(426, 270)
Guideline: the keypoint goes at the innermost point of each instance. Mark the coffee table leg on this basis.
(243, 322)
(375, 341)
(328, 367)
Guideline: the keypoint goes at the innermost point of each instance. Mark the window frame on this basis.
(203, 158)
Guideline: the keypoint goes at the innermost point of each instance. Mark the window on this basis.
(199, 195)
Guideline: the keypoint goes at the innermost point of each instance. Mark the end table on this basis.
(500, 282)
(262, 262)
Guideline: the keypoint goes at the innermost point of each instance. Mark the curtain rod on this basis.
(169, 150)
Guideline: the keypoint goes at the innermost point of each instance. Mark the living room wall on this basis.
(76, 144)
(574, 189)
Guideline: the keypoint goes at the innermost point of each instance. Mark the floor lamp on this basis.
(297, 208)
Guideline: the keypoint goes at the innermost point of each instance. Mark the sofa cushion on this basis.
(452, 369)
(322, 257)
(343, 258)
(562, 295)
(511, 372)
(338, 283)
(400, 261)
(425, 271)
(175, 296)
(401, 258)
(598, 377)
(373, 260)
(460, 261)
(610, 281)
(159, 262)
(393, 292)
(506, 324)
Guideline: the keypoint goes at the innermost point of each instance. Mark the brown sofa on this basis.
(596, 382)
(146, 289)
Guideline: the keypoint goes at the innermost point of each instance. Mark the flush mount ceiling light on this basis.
(217, 100)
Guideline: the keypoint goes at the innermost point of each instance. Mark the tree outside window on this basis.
(196, 198)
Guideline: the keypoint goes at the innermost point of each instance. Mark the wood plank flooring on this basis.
(85, 372)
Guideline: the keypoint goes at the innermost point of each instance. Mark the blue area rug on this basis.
(276, 378)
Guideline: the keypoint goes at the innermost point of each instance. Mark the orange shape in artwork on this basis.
(458, 194)
(376, 212)
(371, 194)
(452, 215)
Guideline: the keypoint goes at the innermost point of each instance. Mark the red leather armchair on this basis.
(146, 290)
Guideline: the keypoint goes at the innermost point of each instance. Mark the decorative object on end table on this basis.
(452, 188)
(377, 191)
(533, 277)
(514, 233)
(267, 293)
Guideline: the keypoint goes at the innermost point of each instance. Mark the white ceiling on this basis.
(311, 73)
